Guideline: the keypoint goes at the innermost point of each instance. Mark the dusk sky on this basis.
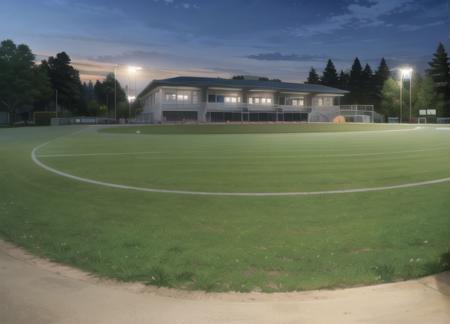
(275, 38)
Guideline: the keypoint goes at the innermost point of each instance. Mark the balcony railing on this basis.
(357, 108)
(238, 106)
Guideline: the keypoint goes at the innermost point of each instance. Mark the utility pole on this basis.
(401, 98)
(410, 99)
(56, 103)
(115, 93)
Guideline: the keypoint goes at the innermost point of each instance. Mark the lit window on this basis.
(250, 101)
(171, 97)
(257, 100)
(182, 97)
(298, 102)
(269, 101)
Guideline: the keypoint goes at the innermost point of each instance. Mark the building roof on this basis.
(242, 84)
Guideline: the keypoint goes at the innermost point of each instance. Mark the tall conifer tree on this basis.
(330, 77)
(313, 77)
(382, 74)
(368, 92)
(343, 80)
(440, 73)
(355, 84)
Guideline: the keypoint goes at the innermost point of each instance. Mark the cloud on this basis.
(416, 27)
(177, 4)
(276, 56)
(86, 8)
(357, 14)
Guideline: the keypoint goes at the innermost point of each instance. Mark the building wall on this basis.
(203, 100)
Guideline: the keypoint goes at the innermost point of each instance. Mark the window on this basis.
(183, 96)
(211, 98)
(328, 101)
(260, 101)
(171, 97)
(232, 99)
(297, 102)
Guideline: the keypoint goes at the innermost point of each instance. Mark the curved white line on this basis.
(235, 194)
(63, 155)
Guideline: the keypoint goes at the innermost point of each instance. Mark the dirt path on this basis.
(36, 291)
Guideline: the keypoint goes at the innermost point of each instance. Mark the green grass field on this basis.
(221, 242)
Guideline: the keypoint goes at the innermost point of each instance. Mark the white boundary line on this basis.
(62, 155)
(229, 194)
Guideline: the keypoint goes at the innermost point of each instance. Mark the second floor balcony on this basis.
(235, 107)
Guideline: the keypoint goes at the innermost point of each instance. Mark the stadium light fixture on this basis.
(133, 70)
(115, 91)
(406, 74)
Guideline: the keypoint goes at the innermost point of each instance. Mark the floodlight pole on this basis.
(135, 93)
(401, 97)
(115, 93)
(410, 97)
(127, 89)
(56, 103)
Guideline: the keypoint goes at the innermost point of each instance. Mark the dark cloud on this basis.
(276, 56)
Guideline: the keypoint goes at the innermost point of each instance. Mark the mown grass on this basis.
(233, 128)
(218, 243)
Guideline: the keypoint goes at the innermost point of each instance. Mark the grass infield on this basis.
(219, 243)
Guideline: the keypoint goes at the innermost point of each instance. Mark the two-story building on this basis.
(247, 99)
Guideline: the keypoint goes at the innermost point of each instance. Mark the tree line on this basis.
(27, 86)
(53, 85)
(381, 87)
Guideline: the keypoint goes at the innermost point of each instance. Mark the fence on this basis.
(358, 113)
(4, 118)
(82, 121)
(443, 120)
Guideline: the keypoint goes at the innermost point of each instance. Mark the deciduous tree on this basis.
(105, 92)
(66, 80)
(17, 76)
(390, 99)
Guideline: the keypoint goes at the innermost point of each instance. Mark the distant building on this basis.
(245, 99)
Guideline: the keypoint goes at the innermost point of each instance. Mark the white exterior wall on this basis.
(156, 102)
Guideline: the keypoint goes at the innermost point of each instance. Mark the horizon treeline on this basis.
(381, 87)
(27, 86)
